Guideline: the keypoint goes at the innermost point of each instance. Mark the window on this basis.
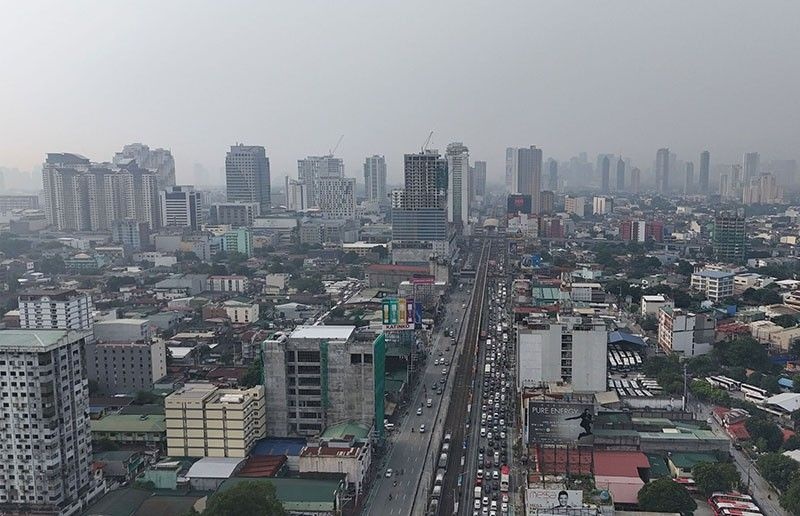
(355, 358)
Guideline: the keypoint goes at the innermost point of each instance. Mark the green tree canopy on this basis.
(765, 433)
(785, 320)
(777, 469)
(664, 495)
(791, 496)
(246, 499)
(711, 477)
(743, 352)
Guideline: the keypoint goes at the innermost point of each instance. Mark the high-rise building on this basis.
(47, 454)
(296, 195)
(636, 180)
(575, 205)
(158, 160)
(85, 196)
(511, 156)
(182, 206)
(724, 186)
(375, 179)
(730, 236)
(602, 205)
(552, 175)
(478, 181)
(751, 165)
(526, 166)
(662, 170)
(234, 214)
(337, 197)
(419, 227)
(131, 233)
(620, 175)
(204, 420)
(320, 375)
(548, 200)
(50, 309)
(761, 190)
(705, 162)
(605, 175)
(570, 350)
(247, 177)
(688, 183)
(736, 176)
(312, 168)
(458, 175)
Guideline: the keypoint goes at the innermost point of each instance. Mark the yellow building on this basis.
(206, 421)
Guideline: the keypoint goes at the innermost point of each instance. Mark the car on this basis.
(389, 473)
(479, 474)
(483, 432)
(495, 475)
(502, 435)
(444, 371)
(422, 429)
(489, 435)
(477, 504)
(485, 501)
(419, 411)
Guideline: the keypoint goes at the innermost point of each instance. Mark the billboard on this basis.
(559, 422)
(552, 501)
(400, 314)
(518, 203)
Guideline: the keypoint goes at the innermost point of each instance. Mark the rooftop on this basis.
(214, 467)
(37, 340)
(348, 428)
(713, 274)
(690, 460)
(150, 423)
(297, 494)
(323, 332)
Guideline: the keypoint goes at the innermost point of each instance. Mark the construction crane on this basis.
(425, 145)
(333, 150)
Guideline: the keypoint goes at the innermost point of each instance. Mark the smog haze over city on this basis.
(197, 76)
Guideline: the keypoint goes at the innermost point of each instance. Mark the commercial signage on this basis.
(400, 314)
(552, 501)
(518, 203)
(553, 422)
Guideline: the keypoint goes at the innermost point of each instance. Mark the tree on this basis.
(711, 477)
(770, 383)
(253, 375)
(685, 268)
(791, 496)
(52, 265)
(785, 320)
(765, 433)
(649, 323)
(777, 469)
(792, 443)
(249, 498)
(145, 398)
(666, 496)
(743, 352)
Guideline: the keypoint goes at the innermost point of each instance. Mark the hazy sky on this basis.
(599, 76)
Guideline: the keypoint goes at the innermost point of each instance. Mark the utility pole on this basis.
(685, 390)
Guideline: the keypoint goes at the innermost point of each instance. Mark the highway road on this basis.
(409, 450)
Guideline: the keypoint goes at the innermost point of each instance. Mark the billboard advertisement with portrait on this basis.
(552, 501)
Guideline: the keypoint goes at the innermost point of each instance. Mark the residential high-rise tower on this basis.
(247, 176)
(458, 174)
(375, 179)
(662, 170)
(705, 159)
(730, 236)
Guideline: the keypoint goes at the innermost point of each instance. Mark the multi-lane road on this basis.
(410, 453)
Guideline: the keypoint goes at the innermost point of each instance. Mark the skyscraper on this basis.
(751, 164)
(552, 175)
(527, 174)
(48, 453)
(182, 206)
(478, 180)
(419, 214)
(511, 156)
(247, 176)
(705, 159)
(337, 197)
(158, 160)
(636, 179)
(688, 183)
(605, 175)
(375, 179)
(730, 236)
(457, 156)
(312, 168)
(620, 175)
(662, 170)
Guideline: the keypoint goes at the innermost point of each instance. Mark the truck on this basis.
(439, 477)
(446, 448)
(477, 492)
(504, 470)
(443, 460)
(437, 492)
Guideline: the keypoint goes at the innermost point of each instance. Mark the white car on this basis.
(485, 500)
(419, 411)
(422, 429)
(477, 505)
(389, 473)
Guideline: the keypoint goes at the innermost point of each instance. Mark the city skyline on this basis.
(305, 117)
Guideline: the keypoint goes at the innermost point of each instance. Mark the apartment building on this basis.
(716, 285)
(48, 309)
(320, 375)
(231, 283)
(685, 333)
(587, 293)
(570, 349)
(240, 312)
(126, 367)
(652, 304)
(206, 421)
(45, 413)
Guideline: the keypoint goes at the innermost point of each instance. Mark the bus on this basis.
(504, 473)
(753, 393)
